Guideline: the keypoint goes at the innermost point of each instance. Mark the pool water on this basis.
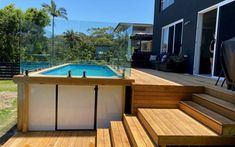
(78, 69)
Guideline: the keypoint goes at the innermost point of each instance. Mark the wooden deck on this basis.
(155, 77)
(53, 139)
(157, 89)
(174, 127)
(167, 109)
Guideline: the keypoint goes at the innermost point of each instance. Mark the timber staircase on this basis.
(205, 119)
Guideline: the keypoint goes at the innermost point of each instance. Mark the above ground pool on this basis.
(78, 70)
(51, 100)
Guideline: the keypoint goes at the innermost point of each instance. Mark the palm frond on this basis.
(53, 5)
(46, 7)
(61, 12)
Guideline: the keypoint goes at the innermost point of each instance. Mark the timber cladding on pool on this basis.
(58, 102)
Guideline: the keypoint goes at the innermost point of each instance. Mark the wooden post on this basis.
(123, 99)
(25, 108)
(20, 96)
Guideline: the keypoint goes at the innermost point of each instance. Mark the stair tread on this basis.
(103, 137)
(211, 114)
(118, 134)
(137, 132)
(217, 101)
(174, 122)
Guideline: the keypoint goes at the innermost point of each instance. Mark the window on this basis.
(165, 34)
(172, 38)
(166, 3)
(146, 46)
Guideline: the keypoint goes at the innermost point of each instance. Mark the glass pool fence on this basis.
(80, 42)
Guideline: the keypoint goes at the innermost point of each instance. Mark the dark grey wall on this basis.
(181, 9)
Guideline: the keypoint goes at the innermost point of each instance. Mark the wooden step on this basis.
(213, 120)
(174, 127)
(118, 135)
(103, 138)
(218, 105)
(136, 132)
(224, 94)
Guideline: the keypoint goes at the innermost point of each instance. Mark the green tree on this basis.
(10, 18)
(22, 33)
(33, 33)
(102, 36)
(54, 12)
(71, 39)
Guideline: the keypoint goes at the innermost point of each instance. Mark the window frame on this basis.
(168, 3)
(168, 27)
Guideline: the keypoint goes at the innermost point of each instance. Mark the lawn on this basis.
(7, 85)
(8, 105)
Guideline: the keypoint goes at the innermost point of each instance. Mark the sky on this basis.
(114, 11)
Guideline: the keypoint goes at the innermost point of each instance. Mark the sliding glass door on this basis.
(172, 38)
(226, 30)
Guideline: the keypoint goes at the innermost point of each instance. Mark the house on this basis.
(187, 27)
(139, 42)
(134, 30)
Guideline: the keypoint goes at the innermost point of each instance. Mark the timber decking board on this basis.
(136, 132)
(220, 106)
(217, 101)
(226, 95)
(173, 122)
(161, 96)
(213, 120)
(174, 127)
(52, 139)
(146, 77)
(118, 135)
(103, 138)
(217, 117)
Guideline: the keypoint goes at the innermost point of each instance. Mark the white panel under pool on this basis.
(109, 105)
(72, 107)
(76, 107)
(42, 107)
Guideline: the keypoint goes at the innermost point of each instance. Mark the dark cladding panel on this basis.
(181, 9)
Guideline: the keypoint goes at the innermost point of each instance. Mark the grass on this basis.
(5, 113)
(7, 85)
(8, 117)
(8, 114)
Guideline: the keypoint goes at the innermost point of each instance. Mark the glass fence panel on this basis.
(80, 42)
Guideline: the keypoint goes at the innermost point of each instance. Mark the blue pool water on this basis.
(77, 70)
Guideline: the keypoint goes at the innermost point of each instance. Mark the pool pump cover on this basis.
(228, 61)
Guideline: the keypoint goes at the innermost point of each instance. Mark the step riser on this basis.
(118, 135)
(146, 125)
(214, 107)
(203, 119)
(229, 97)
(103, 138)
(112, 138)
(137, 135)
